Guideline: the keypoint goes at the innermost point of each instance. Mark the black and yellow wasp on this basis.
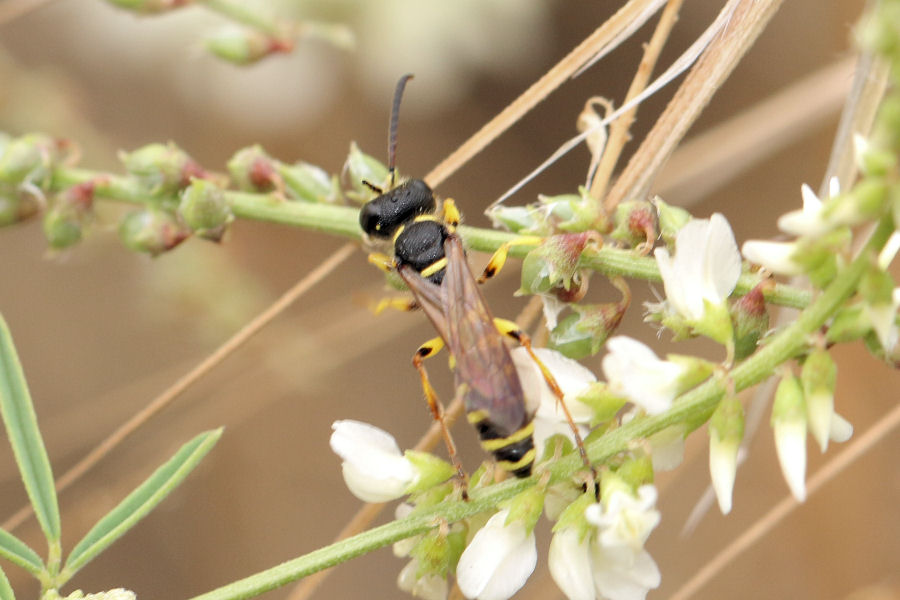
(429, 257)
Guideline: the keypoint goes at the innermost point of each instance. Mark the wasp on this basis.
(429, 257)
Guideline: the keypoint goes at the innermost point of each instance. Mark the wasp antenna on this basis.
(395, 114)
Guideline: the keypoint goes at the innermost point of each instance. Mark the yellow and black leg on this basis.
(427, 350)
(498, 259)
(512, 330)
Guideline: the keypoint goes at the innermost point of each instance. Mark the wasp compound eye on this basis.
(382, 216)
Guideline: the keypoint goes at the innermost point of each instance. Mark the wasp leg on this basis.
(426, 350)
(382, 261)
(510, 329)
(401, 304)
(450, 214)
(499, 257)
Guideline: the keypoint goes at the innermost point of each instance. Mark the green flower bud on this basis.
(518, 219)
(573, 516)
(439, 550)
(876, 286)
(362, 167)
(750, 319)
(205, 209)
(887, 125)
(849, 324)
(583, 333)
(554, 264)
(17, 205)
(671, 220)
(162, 169)
(64, 222)
(309, 183)
(873, 161)
(635, 223)
(29, 159)
(243, 46)
(573, 213)
(253, 170)
(151, 231)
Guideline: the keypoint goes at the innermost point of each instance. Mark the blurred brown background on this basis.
(100, 331)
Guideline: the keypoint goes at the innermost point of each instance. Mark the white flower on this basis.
(572, 378)
(667, 447)
(374, 468)
(610, 561)
(790, 443)
(429, 586)
(809, 220)
(776, 257)
(884, 321)
(625, 520)
(789, 427)
(705, 268)
(634, 371)
(723, 458)
(498, 560)
(116, 594)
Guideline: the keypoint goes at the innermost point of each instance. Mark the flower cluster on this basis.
(598, 545)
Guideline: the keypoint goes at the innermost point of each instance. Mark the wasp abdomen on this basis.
(383, 215)
(515, 452)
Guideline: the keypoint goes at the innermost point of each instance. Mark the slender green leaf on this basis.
(6, 592)
(25, 437)
(16, 551)
(140, 502)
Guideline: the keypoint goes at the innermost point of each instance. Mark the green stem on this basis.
(783, 346)
(344, 221)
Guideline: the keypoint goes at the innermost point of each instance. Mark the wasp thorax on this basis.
(420, 245)
(382, 216)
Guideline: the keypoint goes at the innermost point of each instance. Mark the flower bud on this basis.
(309, 183)
(438, 551)
(818, 378)
(636, 470)
(789, 425)
(362, 167)
(573, 213)
(849, 324)
(726, 431)
(17, 205)
(253, 170)
(872, 161)
(604, 403)
(671, 220)
(554, 264)
(583, 333)
(243, 46)
(64, 222)
(750, 319)
(518, 219)
(205, 209)
(430, 470)
(162, 169)
(29, 158)
(151, 231)
(635, 223)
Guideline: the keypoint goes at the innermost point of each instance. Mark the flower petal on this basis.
(570, 565)
(774, 256)
(497, 561)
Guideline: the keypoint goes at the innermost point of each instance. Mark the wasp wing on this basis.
(460, 315)
(483, 362)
